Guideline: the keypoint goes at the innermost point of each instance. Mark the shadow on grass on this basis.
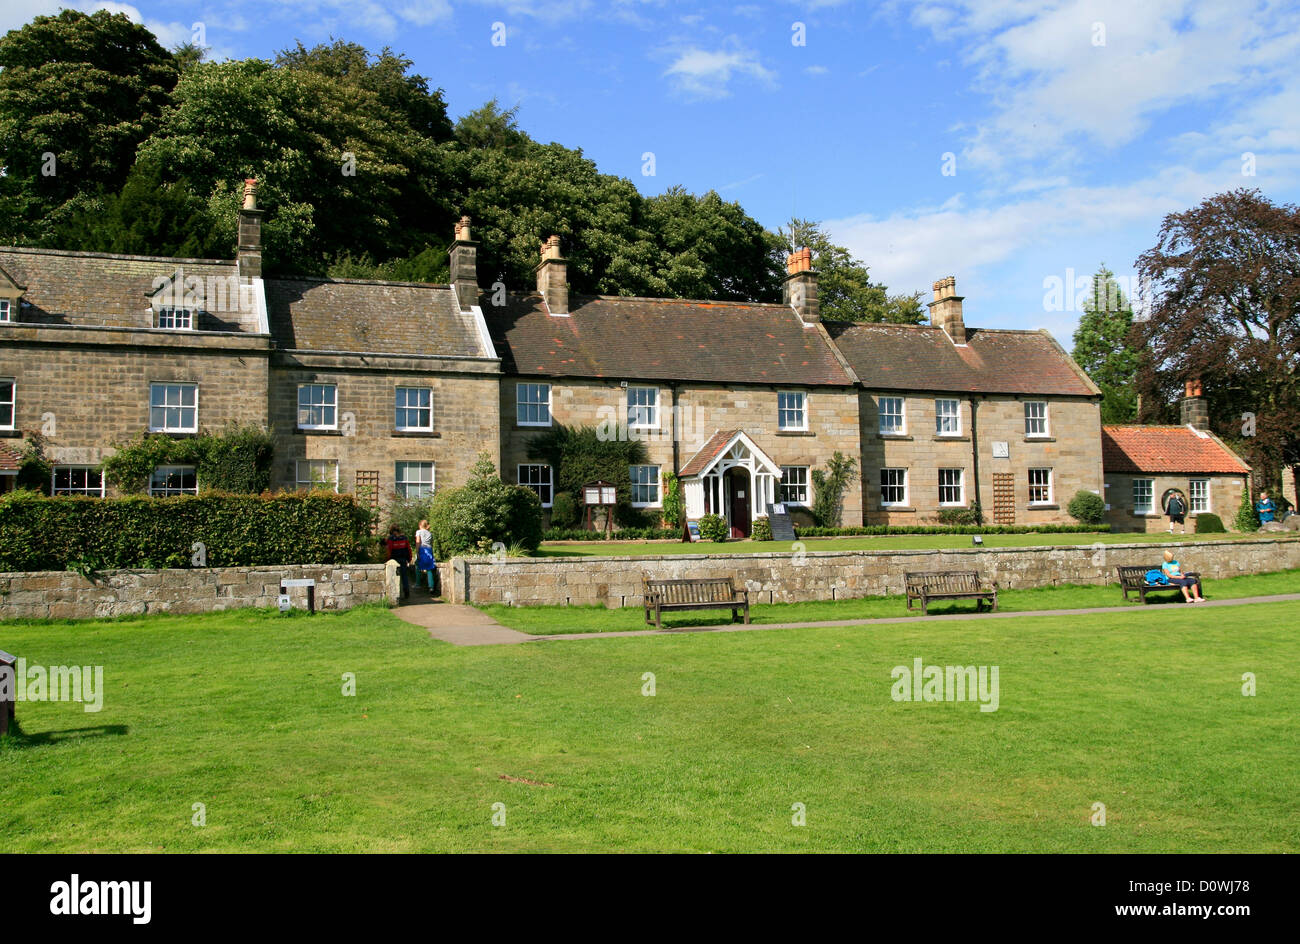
(17, 738)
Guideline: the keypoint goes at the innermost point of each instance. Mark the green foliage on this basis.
(762, 529)
(91, 534)
(1207, 523)
(845, 290)
(579, 455)
(564, 510)
(880, 529)
(829, 485)
(238, 460)
(1102, 347)
(34, 468)
(972, 515)
(674, 502)
(622, 534)
(407, 513)
(714, 528)
(1087, 507)
(486, 510)
(1247, 519)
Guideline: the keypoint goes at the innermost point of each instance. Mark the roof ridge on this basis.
(683, 301)
(113, 255)
(329, 280)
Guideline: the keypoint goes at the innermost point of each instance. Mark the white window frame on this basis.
(12, 402)
(169, 492)
(881, 414)
(783, 409)
(399, 409)
(70, 490)
(1150, 508)
(521, 402)
(7, 310)
(182, 318)
(309, 483)
(1047, 429)
(783, 487)
(1192, 484)
(323, 405)
(401, 484)
(165, 428)
(902, 502)
(954, 416)
(658, 486)
(961, 489)
(652, 407)
(1050, 486)
(535, 483)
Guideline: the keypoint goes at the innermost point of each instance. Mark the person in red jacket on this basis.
(399, 549)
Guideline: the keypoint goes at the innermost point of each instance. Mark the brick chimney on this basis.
(799, 288)
(250, 233)
(1195, 411)
(945, 310)
(464, 266)
(553, 277)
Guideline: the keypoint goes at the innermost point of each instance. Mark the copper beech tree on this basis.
(1224, 279)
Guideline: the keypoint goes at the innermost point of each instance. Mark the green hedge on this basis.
(1207, 523)
(88, 534)
(954, 529)
(622, 534)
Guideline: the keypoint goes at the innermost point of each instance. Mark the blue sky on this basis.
(1068, 129)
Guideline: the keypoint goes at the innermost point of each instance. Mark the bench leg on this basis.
(659, 623)
(746, 612)
(995, 603)
(925, 607)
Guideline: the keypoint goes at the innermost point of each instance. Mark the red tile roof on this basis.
(921, 357)
(1166, 449)
(9, 460)
(662, 339)
(708, 452)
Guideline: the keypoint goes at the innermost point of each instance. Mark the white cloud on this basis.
(706, 73)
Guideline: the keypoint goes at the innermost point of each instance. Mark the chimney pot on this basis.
(799, 290)
(1194, 410)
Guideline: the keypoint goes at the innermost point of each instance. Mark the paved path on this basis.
(467, 626)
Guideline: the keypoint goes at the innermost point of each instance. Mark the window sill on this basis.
(906, 508)
(955, 437)
(174, 434)
(416, 434)
(795, 432)
(531, 426)
(11, 434)
(1040, 439)
(904, 437)
(299, 431)
(641, 505)
(1045, 506)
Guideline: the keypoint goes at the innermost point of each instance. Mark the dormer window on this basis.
(175, 319)
(6, 309)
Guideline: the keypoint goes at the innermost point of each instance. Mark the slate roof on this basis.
(106, 290)
(662, 339)
(370, 317)
(9, 460)
(1166, 449)
(708, 452)
(921, 357)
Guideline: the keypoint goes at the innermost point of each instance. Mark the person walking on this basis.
(399, 549)
(1176, 509)
(425, 563)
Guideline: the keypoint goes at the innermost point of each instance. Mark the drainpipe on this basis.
(975, 454)
(673, 390)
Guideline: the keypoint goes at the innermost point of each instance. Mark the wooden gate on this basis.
(1004, 498)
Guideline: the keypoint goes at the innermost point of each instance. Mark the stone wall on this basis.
(825, 575)
(67, 595)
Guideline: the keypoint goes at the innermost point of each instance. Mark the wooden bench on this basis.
(708, 593)
(949, 585)
(1133, 578)
(8, 690)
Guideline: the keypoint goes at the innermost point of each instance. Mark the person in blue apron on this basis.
(425, 562)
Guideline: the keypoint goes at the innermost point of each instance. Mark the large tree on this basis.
(1102, 348)
(845, 289)
(78, 93)
(1225, 281)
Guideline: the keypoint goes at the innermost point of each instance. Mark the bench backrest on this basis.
(1133, 575)
(950, 581)
(704, 590)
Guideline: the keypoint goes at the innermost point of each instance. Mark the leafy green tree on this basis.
(844, 287)
(78, 93)
(1103, 349)
(829, 485)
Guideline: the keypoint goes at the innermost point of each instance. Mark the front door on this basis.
(739, 499)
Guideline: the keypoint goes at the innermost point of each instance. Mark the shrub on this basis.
(39, 533)
(34, 469)
(579, 455)
(878, 529)
(485, 510)
(407, 513)
(962, 516)
(714, 528)
(1087, 507)
(762, 530)
(564, 510)
(1207, 523)
(674, 502)
(623, 534)
(1247, 518)
(238, 460)
(828, 489)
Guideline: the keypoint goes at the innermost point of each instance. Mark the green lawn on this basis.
(881, 542)
(242, 712)
(552, 620)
